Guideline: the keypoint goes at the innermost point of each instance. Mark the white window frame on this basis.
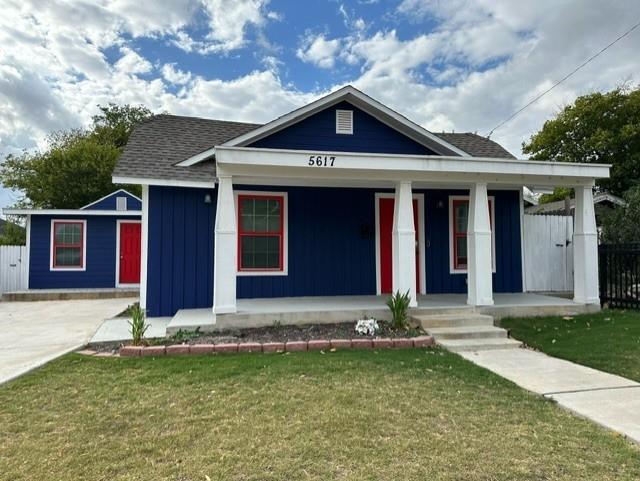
(338, 112)
(84, 246)
(285, 233)
(119, 222)
(492, 203)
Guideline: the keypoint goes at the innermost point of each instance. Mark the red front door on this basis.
(129, 253)
(385, 209)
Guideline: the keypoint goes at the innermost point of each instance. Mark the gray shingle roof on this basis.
(156, 145)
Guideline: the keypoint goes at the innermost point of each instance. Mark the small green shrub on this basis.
(138, 324)
(399, 304)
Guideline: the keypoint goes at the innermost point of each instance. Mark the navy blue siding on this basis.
(109, 203)
(100, 255)
(508, 275)
(331, 246)
(318, 132)
(180, 255)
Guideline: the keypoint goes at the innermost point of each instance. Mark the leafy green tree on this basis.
(597, 128)
(622, 224)
(76, 167)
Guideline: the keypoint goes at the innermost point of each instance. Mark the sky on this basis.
(453, 65)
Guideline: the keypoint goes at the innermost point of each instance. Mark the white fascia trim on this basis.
(119, 222)
(285, 232)
(84, 247)
(164, 182)
(204, 155)
(420, 231)
(109, 195)
(492, 199)
(84, 213)
(363, 101)
(361, 165)
(144, 246)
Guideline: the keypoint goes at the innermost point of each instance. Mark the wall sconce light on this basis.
(440, 204)
(207, 198)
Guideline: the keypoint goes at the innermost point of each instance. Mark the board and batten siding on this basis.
(331, 246)
(100, 269)
(318, 132)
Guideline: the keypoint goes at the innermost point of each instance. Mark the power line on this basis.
(564, 78)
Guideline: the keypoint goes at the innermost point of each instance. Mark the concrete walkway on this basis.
(34, 333)
(609, 400)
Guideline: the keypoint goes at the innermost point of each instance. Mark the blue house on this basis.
(342, 197)
(96, 246)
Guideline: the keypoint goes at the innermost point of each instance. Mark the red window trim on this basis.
(456, 234)
(80, 244)
(242, 233)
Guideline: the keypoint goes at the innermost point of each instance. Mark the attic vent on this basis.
(121, 203)
(344, 121)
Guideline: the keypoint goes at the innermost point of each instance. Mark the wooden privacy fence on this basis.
(620, 275)
(14, 268)
(548, 253)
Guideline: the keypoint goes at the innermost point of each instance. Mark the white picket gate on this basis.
(548, 253)
(14, 268)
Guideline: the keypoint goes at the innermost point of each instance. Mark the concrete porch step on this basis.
(453, 320)
(467, 332)
(460, 345)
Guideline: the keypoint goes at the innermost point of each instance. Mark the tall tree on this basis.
(76, 167)
(596, 128)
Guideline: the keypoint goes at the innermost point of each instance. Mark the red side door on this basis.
(129, 253)
(385, 209)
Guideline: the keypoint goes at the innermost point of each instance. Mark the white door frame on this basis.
(119, 222)
(420, 229)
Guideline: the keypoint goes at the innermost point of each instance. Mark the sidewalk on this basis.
(609, 400)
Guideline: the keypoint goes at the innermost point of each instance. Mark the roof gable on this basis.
(110, 202)
(318, 132)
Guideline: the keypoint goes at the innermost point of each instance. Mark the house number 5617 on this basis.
(321, 160)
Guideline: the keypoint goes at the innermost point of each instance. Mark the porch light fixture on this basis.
(440, 204)
(207, 198)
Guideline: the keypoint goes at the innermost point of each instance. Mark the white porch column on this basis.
(404, 243)
(479, 262)
(585, 249)
(226, 249)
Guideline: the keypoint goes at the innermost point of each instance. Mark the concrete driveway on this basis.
(34, 333)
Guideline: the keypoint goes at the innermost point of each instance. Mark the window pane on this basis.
(260, 252)
(273, 223)
(461, 251)
(260, 215)
(461, 214)
(68, 257)
(68, 233)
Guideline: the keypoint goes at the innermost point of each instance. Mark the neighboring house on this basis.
(343, 196)
(96, 246)
(560, 207)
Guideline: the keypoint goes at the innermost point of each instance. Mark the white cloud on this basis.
(132, 62)
(316, 49)
(175, 76)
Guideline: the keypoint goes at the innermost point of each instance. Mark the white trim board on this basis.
(78, 212)
(144, 246)
(119, 222)
(109, 195)
(356, 98)
(492, 202)
(285, 232)
(84, 246)
(119, 179)
(420, 231)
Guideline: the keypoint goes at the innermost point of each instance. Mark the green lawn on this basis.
(360, 415)
(608, 340)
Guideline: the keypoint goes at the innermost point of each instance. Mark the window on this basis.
(459, 219)
(261, 232)
(121, 203)
(68, 245)
(344, 121)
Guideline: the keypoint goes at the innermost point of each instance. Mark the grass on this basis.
(410, 415)
(608, 340)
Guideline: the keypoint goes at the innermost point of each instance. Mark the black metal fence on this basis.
(620, 275)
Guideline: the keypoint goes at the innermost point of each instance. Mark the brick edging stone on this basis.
(275, 347)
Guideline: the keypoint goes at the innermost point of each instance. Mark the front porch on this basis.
(330, 309)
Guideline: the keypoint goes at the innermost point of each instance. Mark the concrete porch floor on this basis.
(306, 310)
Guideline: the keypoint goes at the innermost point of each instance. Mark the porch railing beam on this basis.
(479, 261)
(225, 249)
(404, 242)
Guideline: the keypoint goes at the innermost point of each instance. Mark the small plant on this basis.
(138, 324)
(399, 304)
(367, 327)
